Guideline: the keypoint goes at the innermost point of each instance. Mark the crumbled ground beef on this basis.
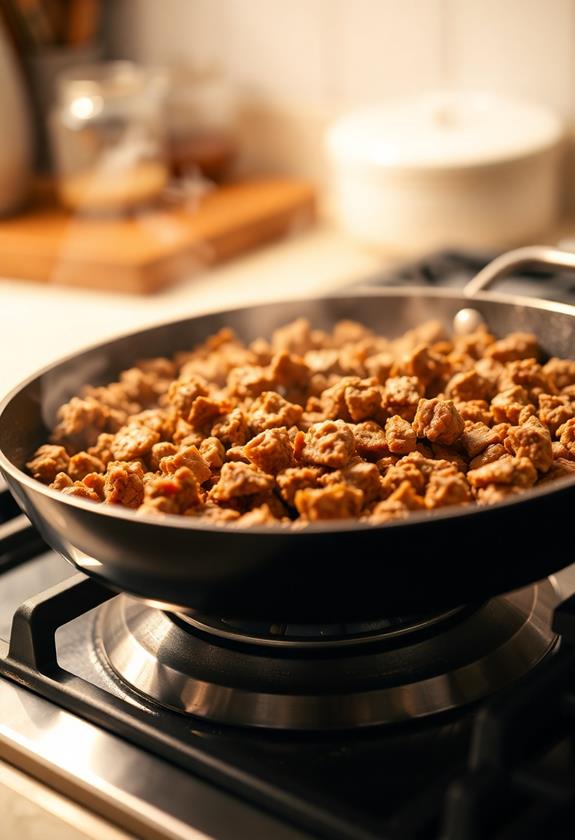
(311, 425)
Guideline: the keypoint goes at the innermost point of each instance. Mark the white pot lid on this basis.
(443, 130)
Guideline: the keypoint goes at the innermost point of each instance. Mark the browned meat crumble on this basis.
(313, 426)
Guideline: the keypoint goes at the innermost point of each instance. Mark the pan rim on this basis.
(330, 527)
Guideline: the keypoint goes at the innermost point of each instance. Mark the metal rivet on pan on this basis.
(467, 321)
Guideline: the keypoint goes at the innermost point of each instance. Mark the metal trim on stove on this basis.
(250, 685)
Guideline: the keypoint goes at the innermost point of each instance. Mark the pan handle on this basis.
(519, 258)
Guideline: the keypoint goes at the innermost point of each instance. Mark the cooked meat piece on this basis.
(97, 483)
(421, 362)
(379, 365)
(476, 437)
(438, 420)
(102, 449)
(180, 490)
(159, 366)
(261, 515)
(399, 435)
(489, 369)
(61, 480)
(469, 385)
(401, 396)
(213, 512)
(491, 453)
(531, 440)
(359, 474)
(322, 361)
(444, 490)
(204, 412)
(477, 411)
(124, 485)
(270, 451)
(529, 375)
(295, 337)
(287, 369)
(362, 402)
(403, 471)
(567, 436)
(476, 343)
(83, 463)
(133, 442)
(351, 398)
(349, 332)
(237, 479)
(406, 496)
(159, 451)
(493, 493)
(560, 372)
(518, 472)
(561, 468)
(249, 381)
(402, 501)
(328, 444)
(297, 478)
(183, 392)
(232, 429)
(80, 422)
(142, 387)
(517, 345)
(48, 461)
(162, 421)
(81, 491)
(454, 456)
(370, 440)
(554, 410)
(187, 456)
(160, 505)
(271, 410)
(185, 435)
(236, 453)
(213, 452)
(336, 501)
(507, 405)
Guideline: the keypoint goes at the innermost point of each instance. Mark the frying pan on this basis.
(327, 572)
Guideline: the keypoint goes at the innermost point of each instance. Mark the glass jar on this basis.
(201, 122)
(108, 137)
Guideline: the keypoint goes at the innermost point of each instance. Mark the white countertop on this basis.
(40, 323)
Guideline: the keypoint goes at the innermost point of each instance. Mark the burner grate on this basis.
(454, 269)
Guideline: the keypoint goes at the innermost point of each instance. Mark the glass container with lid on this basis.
(108, 137)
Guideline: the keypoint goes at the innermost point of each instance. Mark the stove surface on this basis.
(453, 269)
(497, 768)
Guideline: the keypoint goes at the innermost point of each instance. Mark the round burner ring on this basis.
(324, 686)
(320, 636)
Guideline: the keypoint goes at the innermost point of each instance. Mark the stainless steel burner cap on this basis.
(431, 666)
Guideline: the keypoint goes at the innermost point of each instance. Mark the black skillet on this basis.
(331, 572)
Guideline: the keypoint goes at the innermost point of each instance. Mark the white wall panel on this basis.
(276, 48)
(387, 48)
(519, 47)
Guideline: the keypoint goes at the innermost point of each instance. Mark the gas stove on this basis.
(455, 725)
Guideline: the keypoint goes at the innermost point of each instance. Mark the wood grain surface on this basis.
(152, 248)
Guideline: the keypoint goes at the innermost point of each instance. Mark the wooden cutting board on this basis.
(153, 248)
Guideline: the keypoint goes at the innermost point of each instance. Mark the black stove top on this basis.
(501, 769)
(453, 269)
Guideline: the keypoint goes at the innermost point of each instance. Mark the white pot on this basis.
(451, 170)
(15, 137)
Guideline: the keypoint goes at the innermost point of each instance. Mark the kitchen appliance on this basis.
(446, 169)
(456, 723)
(280, 574)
